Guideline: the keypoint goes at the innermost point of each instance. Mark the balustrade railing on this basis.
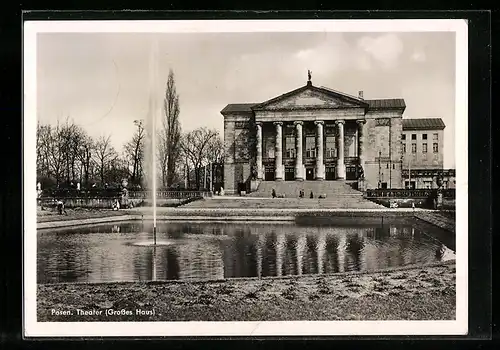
(409, 193)
(428, 172)
(117, 193)
(170, 194)
(83, 193)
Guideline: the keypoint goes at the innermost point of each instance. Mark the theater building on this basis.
(314, 133)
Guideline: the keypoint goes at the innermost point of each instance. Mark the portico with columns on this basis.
(286, 152)
(315, 133)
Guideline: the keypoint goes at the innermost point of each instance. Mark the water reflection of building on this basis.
(240, 254)
(201, 260)
(270, 250)
(354, 247)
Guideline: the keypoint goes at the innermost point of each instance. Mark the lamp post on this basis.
(379, 169)
(409, 174)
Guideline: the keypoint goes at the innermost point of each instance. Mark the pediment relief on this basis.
(309, 99)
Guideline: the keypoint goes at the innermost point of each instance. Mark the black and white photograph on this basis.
(272, 177)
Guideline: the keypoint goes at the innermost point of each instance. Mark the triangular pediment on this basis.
(310, 97)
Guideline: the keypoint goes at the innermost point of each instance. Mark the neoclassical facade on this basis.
(314, 133)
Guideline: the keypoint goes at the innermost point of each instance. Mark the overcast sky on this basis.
(101, 80)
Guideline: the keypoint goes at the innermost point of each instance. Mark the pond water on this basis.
(120, 251)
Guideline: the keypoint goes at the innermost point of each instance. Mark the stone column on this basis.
(299, 166)
(340, 158)
(259, 151)
(320, 167)
(361, 151)
(279, 152)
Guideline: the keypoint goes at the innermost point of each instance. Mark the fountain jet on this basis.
(153, 65)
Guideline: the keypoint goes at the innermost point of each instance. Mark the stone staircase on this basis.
(291, 189)
(339, 195)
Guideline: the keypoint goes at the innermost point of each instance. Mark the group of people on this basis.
(301, 194)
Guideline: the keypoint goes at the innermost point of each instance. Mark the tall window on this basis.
(424, 148)
(290, 146)
(435, 147)
(330, 147)
(404, 147)
(435, 137)
(413, 148)
(310, 146)
(269, 147)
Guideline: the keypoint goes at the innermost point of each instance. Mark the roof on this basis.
(238, 107)
(392, 103)
(323, 90)
(387, 103)
(423, 124)
(341, 93)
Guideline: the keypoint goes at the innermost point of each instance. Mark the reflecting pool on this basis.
(120, 251)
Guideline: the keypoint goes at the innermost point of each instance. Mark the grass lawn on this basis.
(424, 293)
(48, 215)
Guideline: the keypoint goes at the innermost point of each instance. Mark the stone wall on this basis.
(229, 170)
(382, 139)
(238, 151)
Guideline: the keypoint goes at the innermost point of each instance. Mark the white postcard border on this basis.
(32, 328)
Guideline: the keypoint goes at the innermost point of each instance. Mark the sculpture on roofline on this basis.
(309, 73)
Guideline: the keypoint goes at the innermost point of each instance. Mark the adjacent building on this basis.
(423, 142)
(316, 133)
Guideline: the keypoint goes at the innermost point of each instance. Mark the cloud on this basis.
(304, 54)
(385, 49)
(362, 62)
(419, 56)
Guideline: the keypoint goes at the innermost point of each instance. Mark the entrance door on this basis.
(289, 173)
(330, 173)
(350, 173)
(309, 173)
(269, 173)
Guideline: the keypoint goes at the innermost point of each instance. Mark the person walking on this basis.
(60, 207)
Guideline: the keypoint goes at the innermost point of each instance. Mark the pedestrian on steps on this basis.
(273, 193)
(311, 195)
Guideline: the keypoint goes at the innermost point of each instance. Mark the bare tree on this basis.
(195, 145)
(170, 134)
(162, 156)
(85, 155)
(55, 149)
(117, 170)
(105, 154)
(134, 151)
(43, 145)
(71, 137)
(215, 152)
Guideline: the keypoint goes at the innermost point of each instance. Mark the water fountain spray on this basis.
(153, 75)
